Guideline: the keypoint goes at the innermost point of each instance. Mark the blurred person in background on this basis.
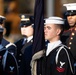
(69, 36)
(11, 47)
(12, 22)
(8, 63)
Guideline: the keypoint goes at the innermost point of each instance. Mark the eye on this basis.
(48, 27)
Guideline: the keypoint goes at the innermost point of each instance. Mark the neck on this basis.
(54, 39)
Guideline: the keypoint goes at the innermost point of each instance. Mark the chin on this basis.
(71, 25)
(46, 38)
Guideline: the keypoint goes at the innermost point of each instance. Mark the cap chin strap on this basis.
(73, 26)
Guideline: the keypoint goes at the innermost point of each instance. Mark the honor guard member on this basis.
(11, 47)
(26, 31)
(56, 59)
(25, 68)
(8, 63)
(69, 36)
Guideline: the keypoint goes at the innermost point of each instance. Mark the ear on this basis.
(4, 32)
(58, 31)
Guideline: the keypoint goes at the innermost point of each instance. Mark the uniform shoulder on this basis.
(63, 50)
(10, 44)
(4, 42)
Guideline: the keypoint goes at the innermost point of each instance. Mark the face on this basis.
(27, 31)
(1, 36)
(71, 20)
(2, 32)
(51, 32)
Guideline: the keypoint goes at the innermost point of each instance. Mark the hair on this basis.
(60, 27)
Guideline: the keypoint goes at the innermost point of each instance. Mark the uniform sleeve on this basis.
(11, 67)
(62, 67)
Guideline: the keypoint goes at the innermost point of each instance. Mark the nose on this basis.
(45, 30)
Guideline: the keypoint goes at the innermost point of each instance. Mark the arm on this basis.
(62, 67)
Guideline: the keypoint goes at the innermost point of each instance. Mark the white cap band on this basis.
(54, 20)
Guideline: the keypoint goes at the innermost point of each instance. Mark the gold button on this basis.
(19, 60)
(69, 47)
(20, 54)
(31, 40)
(70, 43)
(71, 38)
(73, 34)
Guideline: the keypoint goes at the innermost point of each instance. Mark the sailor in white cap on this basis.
(70, 34)
(55, 61)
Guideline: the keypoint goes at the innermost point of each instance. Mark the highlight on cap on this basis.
(23, 18)
(71, 9)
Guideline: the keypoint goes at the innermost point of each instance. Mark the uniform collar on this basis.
(73, 28)
(52, 46)
(1, 46)
(29, 38)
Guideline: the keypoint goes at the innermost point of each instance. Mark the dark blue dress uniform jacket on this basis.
(25, 68)
(19, 45)
(22, 54)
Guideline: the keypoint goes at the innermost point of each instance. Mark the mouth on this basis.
(70, 22)
(45, 34)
